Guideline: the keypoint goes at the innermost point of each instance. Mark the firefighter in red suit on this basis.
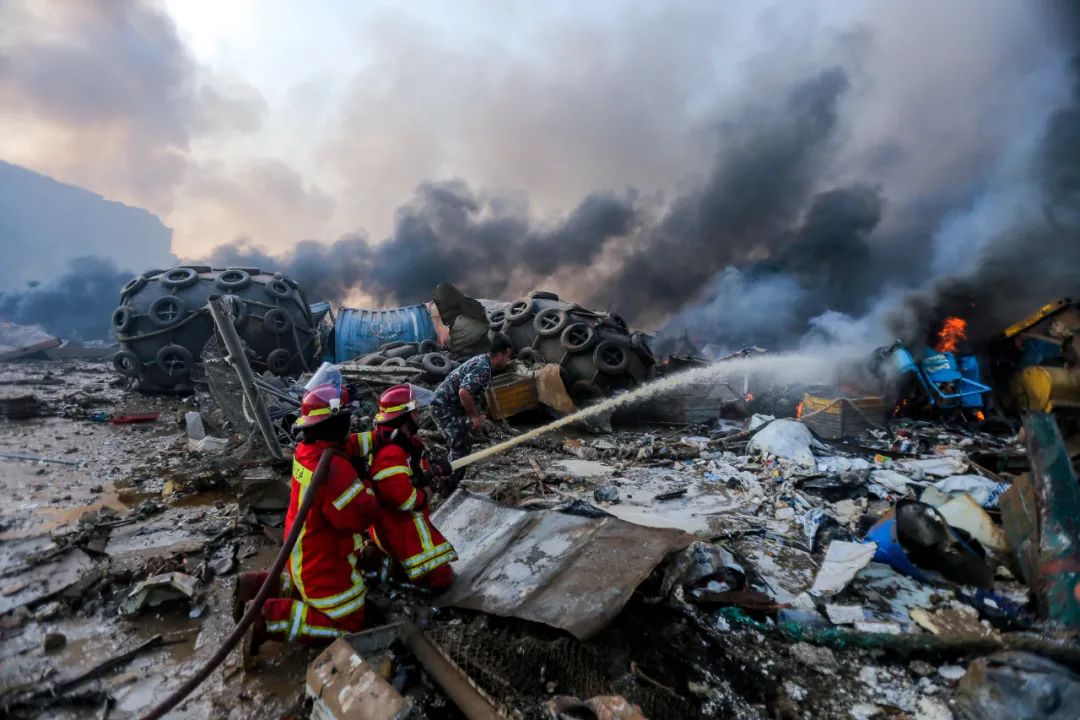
(321, 593)
(401, 479)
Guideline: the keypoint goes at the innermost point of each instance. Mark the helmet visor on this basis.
(421, 396)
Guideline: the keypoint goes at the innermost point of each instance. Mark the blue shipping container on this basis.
(359, 332)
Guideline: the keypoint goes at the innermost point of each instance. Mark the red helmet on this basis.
(321, 403)
(326, 396)
(395, 402)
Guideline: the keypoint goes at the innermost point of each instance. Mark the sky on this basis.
(647, 157)
(277, 121)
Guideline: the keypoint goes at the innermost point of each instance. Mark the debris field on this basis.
(732, 548)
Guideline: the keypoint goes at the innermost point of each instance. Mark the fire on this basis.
(980, 415)
(748, 397)
(952, 332)
(798, 410)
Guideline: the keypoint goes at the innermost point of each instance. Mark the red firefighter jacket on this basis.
(323, 563)
(403, 528)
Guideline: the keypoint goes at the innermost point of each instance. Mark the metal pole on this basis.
(237, 358)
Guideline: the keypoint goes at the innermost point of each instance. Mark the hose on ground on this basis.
(254, 610)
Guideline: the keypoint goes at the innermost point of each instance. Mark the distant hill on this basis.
(45, 223)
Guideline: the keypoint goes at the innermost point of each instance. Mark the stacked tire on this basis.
(163, 323)
(424, 355)
(597, 351)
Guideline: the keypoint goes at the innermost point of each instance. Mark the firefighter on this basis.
(401, 478)
(458, 399)
(320, 595)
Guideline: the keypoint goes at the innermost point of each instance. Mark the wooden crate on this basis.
(510, 395)
(833, 416)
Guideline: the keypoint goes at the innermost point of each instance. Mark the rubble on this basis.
(720, 566)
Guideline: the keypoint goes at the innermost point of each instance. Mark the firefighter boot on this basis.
(254, 637)
(247, 587)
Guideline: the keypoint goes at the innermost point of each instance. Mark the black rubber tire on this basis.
(497, 319)
(550, 322)
(174, 360)
(152, 273)
(520, 311)
(278, 361)
(198, 268)
(372, 360)
(543, 295)
(127, 364)
(404, 351)
(167, 311)
(529, 355)
(585, 390)
(277, 321)
(620, 322)
(577, 338)
(427, 346)
(391, 345)
(416, 361)
(132, 286)
(611, 357)
(436, 364)
(180, 278)
(233, 279)
(278, 288)
(393, 362)
(123, 318)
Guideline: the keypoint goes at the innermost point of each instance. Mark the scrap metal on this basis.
(564, 570)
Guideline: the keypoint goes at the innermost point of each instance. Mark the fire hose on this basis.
(255, 607)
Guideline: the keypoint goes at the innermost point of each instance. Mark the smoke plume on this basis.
(76, 304)
(484, 243)
(858, 171)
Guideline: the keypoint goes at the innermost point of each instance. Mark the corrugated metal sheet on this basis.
(560, 569)
(359, 331)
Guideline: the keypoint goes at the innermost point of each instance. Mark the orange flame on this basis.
(952, 332)
(748, 397)
(980, 415)
(798, 410)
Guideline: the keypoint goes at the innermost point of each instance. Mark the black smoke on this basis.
(76, 304)
(1026, 262)
(757, 187)
(447, 232)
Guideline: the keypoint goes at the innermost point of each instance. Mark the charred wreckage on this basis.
(691, 537)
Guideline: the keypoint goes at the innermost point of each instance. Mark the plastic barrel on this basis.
(359, 331)
(904, 362)
(969, 368)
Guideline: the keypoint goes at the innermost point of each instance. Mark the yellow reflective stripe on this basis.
(447, 556)
(357, 543)
(396, 408)
(286, 583)
(352, 491)
(316, 631)
(319, 411)
(296, 558)
(343, 610)
(357, 589)
(280, 626)
(365, 443)
(410, 503)
(395, 470)
(423, 531)
(301, 474)
(299, 614)
(296, 562)
(424, 556)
